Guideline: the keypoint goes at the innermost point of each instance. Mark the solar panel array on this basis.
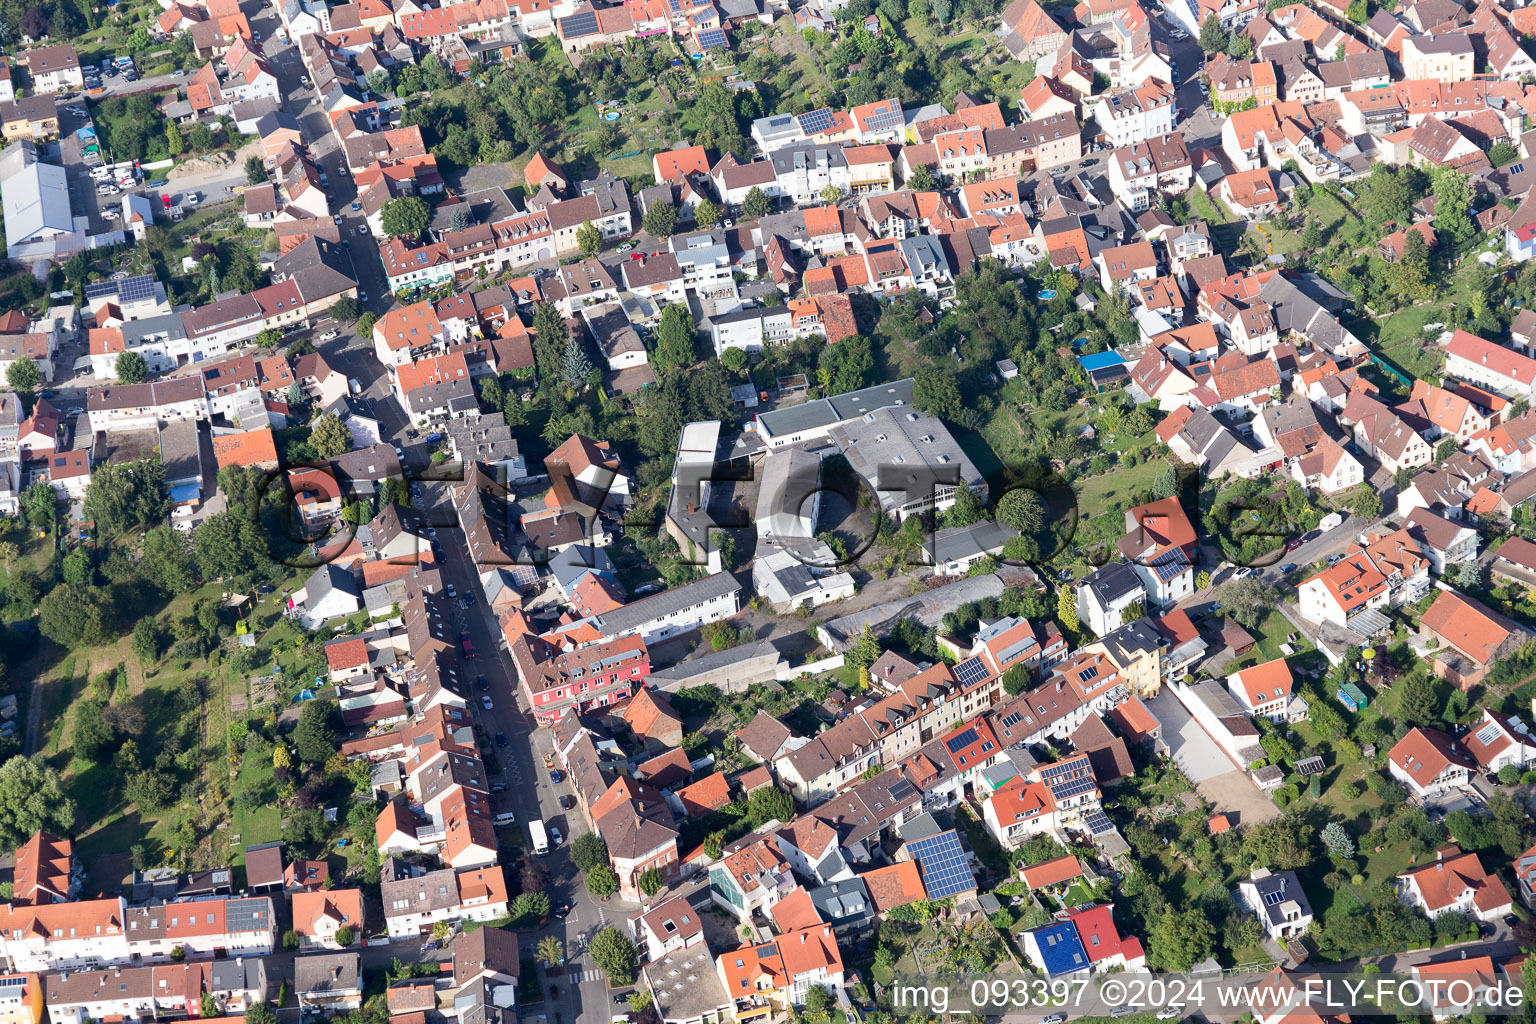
(1011, 719)
(971, 671)
(136, 289)
(1271, 898)
(713, 39)
(815, 121)
(955, 744)
(1052, 773)
(901, 790)
(1072, 787)
(582, 23)
(100, 288)
(1098, 822)
(941, 860)
(1169, 565)
(891, 118)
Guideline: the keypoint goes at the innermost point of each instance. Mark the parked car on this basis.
(501, 739)
(481, 684)
(469, 652)
(469, 600)
(451, 592)
(485, 702)
(178, 74)
(1288, 568)
(567, 802)
(555, 776)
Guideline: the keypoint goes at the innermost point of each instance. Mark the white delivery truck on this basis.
(536, 833)
(1331, 521)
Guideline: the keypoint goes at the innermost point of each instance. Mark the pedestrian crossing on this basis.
(577, 977)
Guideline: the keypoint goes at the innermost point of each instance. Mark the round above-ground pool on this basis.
(696, 56)
(612, 115)
(1045, 294)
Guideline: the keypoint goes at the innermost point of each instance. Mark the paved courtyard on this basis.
(1211, 771)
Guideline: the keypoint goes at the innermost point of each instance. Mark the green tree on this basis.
(365, 322)
(1281, 844)
(588, 851)
(23, 375)
(1249, 599)
(40, 505)
(734, 359)
(255, 170)
(131, 368)
(676, 339)
(1066, 611)
(575, 367)
(32, 798)
(936, 391)
(330, 436)
(173, 139)
(1366, 504)
(1448, 446)
(1016, 680)
(344, 310)
(260, 1013)
(650, 882)
(863, 650)
(1213, 38)
(1179, 939)
(706, 214)
(1357, 12)
(615, 955)
(1411, 274)
(817, 1001)
(1023, 510)
(1416, 700)
(602, 882)
(344, 935)
(831, 194)
(73, 616)
(128, 495)
(314, 738)
(588, 238)
(269, 337)
(966, 510)
(1337, 838)
(1453, 206)
(550, 951)
(405, 217)
(660, 220)
(922, 179)
(769, 804)
(146, 640)
(550, 334)
(756, 204)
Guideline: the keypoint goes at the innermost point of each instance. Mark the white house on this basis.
(1431, 764)
(1279, 902)
(1263, 689)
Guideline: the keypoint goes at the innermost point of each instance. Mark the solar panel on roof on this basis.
(1011, 719)
(1071, 788)
(100, 288)
(1271, 898)
(941, 861)
(134, 289)
(971, 671)
(955, 744)
(582, 23)
(1098, 822)
(713, 39)
(901, 790)
(815, 120)
(886, 119)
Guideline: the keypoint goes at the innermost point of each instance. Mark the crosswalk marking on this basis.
(577, 977)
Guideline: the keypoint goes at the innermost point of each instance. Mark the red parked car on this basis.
(469, 649)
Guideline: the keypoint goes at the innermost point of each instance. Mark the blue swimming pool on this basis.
(1045, 294)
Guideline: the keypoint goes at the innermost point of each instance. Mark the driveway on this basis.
(1192, 748)
(1207, 766)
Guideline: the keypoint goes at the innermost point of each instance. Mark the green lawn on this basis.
(1099, 492)
(1270, 634)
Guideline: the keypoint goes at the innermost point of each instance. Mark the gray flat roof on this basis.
(826, 412)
